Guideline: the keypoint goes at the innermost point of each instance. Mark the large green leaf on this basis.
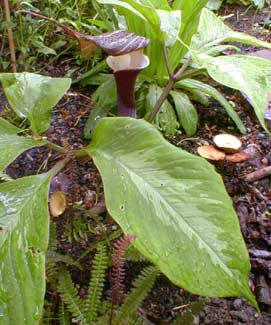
(165, 21)
(24, 226)
(175, 204)
(251, 75)
(190, 18)
(186, 112)
(212, 31)
(33, 96)
(136, 7)
(12, 145)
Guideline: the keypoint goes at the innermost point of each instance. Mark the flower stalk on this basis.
(126, 68)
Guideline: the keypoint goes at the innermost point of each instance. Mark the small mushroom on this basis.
(227, 143)
(211, 153)
(58, 203)
(237, 157)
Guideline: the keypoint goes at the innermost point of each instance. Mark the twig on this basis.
(172, 79)
(10, 38)
(258, 174)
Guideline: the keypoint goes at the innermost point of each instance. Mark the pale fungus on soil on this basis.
(227, 143)
(209, 152)
(58, 203)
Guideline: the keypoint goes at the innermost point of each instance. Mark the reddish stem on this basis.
(125, 80)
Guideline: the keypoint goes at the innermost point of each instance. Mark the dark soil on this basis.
(82, 184)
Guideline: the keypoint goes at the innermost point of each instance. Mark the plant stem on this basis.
(10, 38)
(81, 153)
(58, 166)
(161, 99)
(55, 147)
(165, 52)
(172, 79)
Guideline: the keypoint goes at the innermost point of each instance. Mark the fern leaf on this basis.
(63, 316)
(96, 284)
(133, 255)
(142, 286)
(69, 296)
(52, 245)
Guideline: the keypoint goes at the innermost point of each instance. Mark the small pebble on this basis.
(265, 161)
(261, 136)
(237, 304)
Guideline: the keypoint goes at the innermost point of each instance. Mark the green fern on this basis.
(69, 296)
(88, 310)
(96, 284)
(63, 316)
(188, 317)
(133, 255)
(142, 286)
(51, 266)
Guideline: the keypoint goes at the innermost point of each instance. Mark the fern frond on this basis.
(142, 286)
(63, 316)
(66, 259)
(69, 296)
(52, 245)
(51, 272)
(133, 255)
(116, 292)
(96, 284)
(188, 317)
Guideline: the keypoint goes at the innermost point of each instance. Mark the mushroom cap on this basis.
(211, 153)
(58, 203)
(227, 143)
(237, 157)
(131, 61)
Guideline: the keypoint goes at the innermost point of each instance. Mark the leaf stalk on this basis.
(172, 79)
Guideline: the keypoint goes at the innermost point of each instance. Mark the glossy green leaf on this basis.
(7, 128)
(34, 96)
(138, 8)
(186, 112)
(166, 117)
(199, 96)
(192, 84)
(12, 145)
(168, 22)
(104, 99)
(24, 224)
(170, 25)
(175, 204)
(212, 31)
(190, 18)
(251, 75)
